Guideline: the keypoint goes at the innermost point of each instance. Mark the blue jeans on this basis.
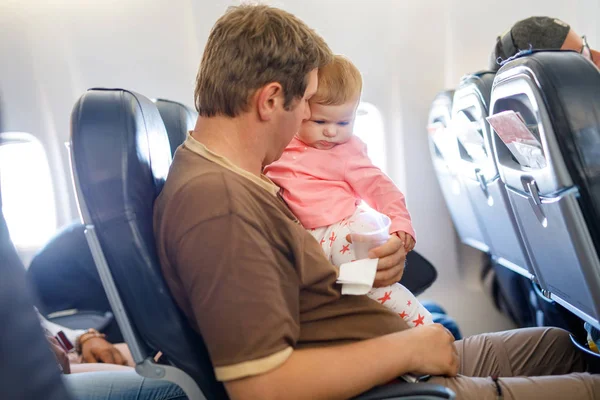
(120, 385)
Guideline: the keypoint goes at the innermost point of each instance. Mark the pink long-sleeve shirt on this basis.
(322, 187)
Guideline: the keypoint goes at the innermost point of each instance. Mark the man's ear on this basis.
(268, 99)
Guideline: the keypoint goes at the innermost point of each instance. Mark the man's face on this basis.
(290, 121)
(575, 42)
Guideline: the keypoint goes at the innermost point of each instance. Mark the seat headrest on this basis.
(441, 108)
(120, 143)
(178, 119)
(482, 82)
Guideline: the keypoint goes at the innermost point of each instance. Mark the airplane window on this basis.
(368, 126)
(27, 194)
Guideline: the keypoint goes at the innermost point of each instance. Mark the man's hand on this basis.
(391, 261)
(98, 349)
(409, 242)
(61, 355)
(433, 351)
(344, 371)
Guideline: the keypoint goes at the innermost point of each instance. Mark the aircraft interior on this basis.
(500, 168)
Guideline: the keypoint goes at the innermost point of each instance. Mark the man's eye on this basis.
(319, 122)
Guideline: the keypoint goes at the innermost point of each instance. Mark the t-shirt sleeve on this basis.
(242, 297)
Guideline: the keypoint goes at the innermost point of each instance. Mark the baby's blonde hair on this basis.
(339, 82)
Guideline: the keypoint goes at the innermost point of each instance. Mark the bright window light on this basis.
(368, 126)
(27, 195)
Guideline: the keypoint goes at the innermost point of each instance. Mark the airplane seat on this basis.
(545, 108)
(67, 285)
(444, 151)
(120, 159)
(178, 118)
(480, 175)
(60, 272)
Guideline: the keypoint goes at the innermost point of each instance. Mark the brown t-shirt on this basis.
(249, 277)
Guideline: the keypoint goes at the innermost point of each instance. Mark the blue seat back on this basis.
(120, 160)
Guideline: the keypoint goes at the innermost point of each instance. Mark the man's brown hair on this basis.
(339, 82)
(249, 47)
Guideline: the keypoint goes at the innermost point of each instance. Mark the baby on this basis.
(325, 172)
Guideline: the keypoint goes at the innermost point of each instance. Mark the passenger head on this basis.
(333, 107)
(249, 47)
(540, 33)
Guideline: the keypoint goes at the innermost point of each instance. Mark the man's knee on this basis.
(557, 336)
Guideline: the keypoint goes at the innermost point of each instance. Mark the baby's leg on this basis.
(320, 234)
(396, 297)
(400, 300)
(333, 241)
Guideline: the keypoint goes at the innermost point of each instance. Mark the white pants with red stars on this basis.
(395, 297)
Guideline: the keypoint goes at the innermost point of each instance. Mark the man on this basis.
(257, 285)
(540, 33)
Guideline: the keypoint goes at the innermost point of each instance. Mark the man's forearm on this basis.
(337, 372)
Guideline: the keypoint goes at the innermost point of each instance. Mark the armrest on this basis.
(76, 319)
(407, 391)
(419, 273)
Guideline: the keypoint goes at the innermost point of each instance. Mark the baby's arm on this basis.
(378, 191)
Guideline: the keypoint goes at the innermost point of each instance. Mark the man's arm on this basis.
(341, 372)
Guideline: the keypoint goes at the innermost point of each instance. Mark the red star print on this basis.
(408, 303)
(419, 320)
(322, 241)
(332, 239)
(345, 248)
(387, 296)
(403, 314)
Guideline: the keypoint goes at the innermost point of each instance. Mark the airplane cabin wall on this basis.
(407, 51)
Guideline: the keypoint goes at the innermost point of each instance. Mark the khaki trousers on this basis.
(532, 363)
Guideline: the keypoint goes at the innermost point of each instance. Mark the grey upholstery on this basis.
(444, 150)
(480, 175)
(556, 200)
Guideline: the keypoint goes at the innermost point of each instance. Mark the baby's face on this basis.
(328, 126)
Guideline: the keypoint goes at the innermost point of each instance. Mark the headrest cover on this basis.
(530, 33)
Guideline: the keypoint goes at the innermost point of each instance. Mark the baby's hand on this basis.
(407, 240)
